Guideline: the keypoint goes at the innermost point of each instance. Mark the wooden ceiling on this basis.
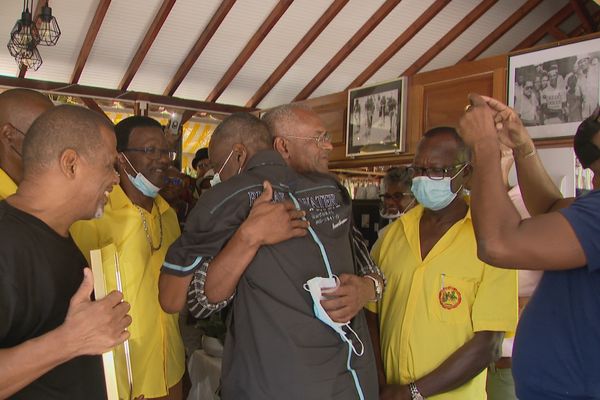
(232, 55)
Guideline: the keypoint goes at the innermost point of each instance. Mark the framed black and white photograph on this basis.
(376, 119)
(554, 89)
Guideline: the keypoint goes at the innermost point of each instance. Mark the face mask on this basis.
(142, 183)
(216, 179)
(397, 214)
(435, 194)
(315, 286)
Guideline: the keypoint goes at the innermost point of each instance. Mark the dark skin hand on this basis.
(462, 366)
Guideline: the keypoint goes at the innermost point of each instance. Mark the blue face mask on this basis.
(142, 183)
(435, 194)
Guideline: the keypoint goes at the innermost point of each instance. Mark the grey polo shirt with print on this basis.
(275, 347)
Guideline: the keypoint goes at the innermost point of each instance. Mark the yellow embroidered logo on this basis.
(449, 297)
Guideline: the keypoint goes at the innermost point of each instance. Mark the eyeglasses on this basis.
(437, 174)
(321, 140)
(154, 153)
(398, 196)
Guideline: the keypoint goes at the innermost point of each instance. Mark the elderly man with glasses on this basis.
(442, 317)
(142, 226)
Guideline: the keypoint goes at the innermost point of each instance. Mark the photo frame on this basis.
(376, 119)
(554, 89)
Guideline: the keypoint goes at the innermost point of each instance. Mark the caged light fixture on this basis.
(27, 34)
(49, 30)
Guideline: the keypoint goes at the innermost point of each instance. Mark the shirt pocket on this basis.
(452, 299)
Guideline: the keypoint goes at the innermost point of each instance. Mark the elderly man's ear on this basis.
(280, 145)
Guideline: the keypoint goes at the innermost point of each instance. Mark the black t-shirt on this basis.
(40, 271)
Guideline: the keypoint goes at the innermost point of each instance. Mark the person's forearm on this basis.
(24, 363)
(492, 211)
(540, 194)
(227, 267)
(172, 291)
(463, 365)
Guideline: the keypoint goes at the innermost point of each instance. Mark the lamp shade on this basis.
(29, 58)
(49, 31)
(24, 33)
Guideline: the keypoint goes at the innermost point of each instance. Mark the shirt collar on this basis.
(7, 185)
(118, 199)
(265, 157)
(414, 214)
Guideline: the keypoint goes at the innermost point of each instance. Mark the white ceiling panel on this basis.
(331, 40)
(241, 23)
(386, 32)
(525, 27)
(471, 37)
(439, 26)
(178, 35)
(118, 39)
(284, 36)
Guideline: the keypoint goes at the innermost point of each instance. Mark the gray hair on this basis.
(282, 119)
(397, 176)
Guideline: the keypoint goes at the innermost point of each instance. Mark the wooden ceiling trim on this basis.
(38, 9)
(249, 49)
(347, 48)
(557, 33)
(304, 43)
(89, 40)
(96, 92)
(449, 37)
(198, 48)
(507, 25)
(580, 30)
(142, 51)
(92, 105)
(399, 43)
(583, 14)
(540, 32)
(187, 115)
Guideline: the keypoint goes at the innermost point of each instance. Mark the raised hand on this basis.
(94, 327)
(511, 131)
(272, 223)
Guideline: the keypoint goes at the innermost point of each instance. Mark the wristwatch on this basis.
(414, 392)
(378, 287)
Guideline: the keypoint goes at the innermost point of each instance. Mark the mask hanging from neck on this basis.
(141, 183)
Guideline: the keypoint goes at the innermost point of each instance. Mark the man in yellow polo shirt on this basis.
(442, 317)
(142, 226)
(18, 109)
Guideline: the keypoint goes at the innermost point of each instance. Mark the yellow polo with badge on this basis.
(7, 186)
(157, 352)
(431, 307)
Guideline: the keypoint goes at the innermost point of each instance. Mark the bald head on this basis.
(61, 128)
(20, 107)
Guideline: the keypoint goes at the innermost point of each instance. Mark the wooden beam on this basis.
(249, 49)
(199, 46)
(34, 13)
(187, 115)
(399, 43)
(507, 25)
(92, 105)
(557, 33)
(304, 43)
(115, 94)
(540, 32)
(580, 30)
(449, 37)
(360, 35)
(151, 34)
(583, 14)
(90, 37)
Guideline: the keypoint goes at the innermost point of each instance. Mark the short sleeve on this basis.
(496, 303)
(207, 230)
(584, 217)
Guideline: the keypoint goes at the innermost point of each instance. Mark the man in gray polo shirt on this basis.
(275, 346)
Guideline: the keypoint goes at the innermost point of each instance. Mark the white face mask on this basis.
(397, 214)
(315, 286)
(216, 179)
(142, 183)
